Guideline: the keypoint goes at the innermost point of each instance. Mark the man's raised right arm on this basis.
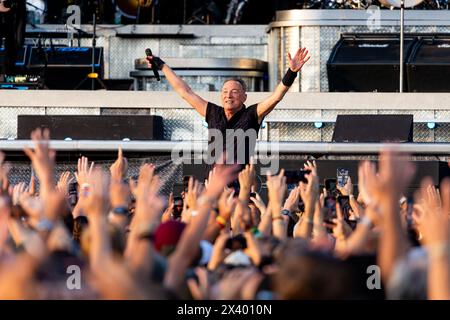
(181, 87)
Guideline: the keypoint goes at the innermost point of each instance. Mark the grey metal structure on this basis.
(203, 74)
(295, 119)
(319, 30)
(124, 43)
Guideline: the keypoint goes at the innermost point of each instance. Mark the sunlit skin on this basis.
(3, 8)
(232, 97)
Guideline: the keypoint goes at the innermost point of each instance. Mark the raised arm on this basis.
(295, 65)
(180, 86)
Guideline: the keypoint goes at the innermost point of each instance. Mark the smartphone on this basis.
(342, 176)
(252, 195)
(293, 177)
(344, 203)
(73, 193)
(329, 204)
(330, 186)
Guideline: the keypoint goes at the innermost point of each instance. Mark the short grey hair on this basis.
(240, 81)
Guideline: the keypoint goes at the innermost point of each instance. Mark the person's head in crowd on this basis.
(314, 275)
(220, 247)
(167, 236)
(409, 278)
(116, 236)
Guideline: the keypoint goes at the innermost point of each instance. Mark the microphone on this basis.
(149, 53)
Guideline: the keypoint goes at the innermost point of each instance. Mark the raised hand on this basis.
(366, 171)
(347, 189)
(18, 190)
(276, 186)
(221, 176)
(436, 228)
(292, 200)
(226, 204)
(120, 167)
(4, 171)
(42, 159)
(310, 191)
(395, 173)
(300, 58)
(246, 179)
(83, 171)
(259, 203)
(149, 206)
(64, 181)
(96, 201)
(435, 213)
(341, 230)
(194, 190)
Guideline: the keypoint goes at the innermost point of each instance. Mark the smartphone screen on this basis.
(329, 204)
(342, 176)
(293, 177)
(73, 193)
(344, 203)
(330, 186)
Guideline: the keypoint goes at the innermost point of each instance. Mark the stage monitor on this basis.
(373, 128)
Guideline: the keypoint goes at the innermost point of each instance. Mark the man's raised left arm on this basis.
(295, 65)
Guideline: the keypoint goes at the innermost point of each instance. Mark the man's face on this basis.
(233, 96)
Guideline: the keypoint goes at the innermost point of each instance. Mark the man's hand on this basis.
(195, 189)
(4, 172)
(276, 186)
(221, 176)
(63, 183)
(84, 171)
(310, 191)
(434, 219)
(300, 58)
(347, 189)
(119, 168)
(42, 159)
(226, 204)
(96, 202)
(246, 179)
(395, 174)
(292, 200)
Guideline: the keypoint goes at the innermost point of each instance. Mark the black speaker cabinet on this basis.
(373, 128)
(111, 127)
(367, 63)
(66, 67)
(428, 67)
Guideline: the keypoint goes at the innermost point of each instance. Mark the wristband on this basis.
(202, 200)
(221, 221)
(255, 231)
(121, 211)
(44, 225)
(289, 77)
(366, 221)
(158, 62)
(439, 250)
